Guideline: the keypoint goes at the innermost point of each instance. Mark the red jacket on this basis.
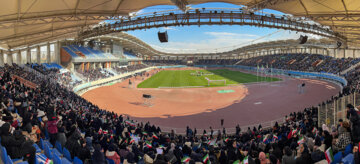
(52, 126)
(114, 156)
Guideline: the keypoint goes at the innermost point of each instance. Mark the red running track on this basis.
(264, 102)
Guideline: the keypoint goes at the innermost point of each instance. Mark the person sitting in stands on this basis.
(111, 154)
(98, 155)
(17, 145)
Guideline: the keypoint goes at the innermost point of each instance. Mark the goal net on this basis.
(215, 82)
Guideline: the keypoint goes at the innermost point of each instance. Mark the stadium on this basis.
(179, 81)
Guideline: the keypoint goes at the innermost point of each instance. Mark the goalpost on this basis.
(215, 81)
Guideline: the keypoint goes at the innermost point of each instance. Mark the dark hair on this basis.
(111, 147)
(306, 150)
(273, 159)
(349, 106)
(287, 151)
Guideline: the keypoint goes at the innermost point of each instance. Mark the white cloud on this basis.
(169, 28)
(226, 34)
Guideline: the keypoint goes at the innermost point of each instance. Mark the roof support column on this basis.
(48, 57)
(28, 55)
(1, 58)
(57, 52)
(38, 56)
(353, 53)
(18, 57)
(9, 58)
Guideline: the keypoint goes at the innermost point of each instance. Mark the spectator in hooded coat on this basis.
(327, 139)
(288, 157)
(73, 144)
(304, 155)
(16, 145)
(354, 118)
(84, 152)
(98, 155)
(112, 154)
(9, 141)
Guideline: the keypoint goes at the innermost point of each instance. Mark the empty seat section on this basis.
(69, 51)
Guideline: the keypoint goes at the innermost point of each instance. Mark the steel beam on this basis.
(209, 18)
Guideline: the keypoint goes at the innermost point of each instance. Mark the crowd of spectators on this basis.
(129, 68)
(94, 74)
(163, 62)
(55, 75)
(43, 70)
(217, 61)
(301, 62)
(94, 135)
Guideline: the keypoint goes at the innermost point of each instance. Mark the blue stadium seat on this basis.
(3, 152)
(9, 161)
(46, 134)
(47, 152)
(348, 150)
(45, 142)
(110, 161)
(41, 143)
(337, 158)
(67, 154)
(55, 65)
(77, 160)
(57, 159)
(38, 150)
(65, 161)
(5, 158)
(349, 159)
(70, 51)
(55, 151)
(59, 147)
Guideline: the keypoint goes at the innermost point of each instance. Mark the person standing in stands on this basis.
(304, 156)
(52, 129)
(98, 155)
(354, 118)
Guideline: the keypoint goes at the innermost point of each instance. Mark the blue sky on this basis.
(209, 38)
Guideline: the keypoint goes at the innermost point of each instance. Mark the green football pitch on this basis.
(197, 78)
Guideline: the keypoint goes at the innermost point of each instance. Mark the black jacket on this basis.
(73, 145)
(305, 158)
(355, 125)
(13, 145)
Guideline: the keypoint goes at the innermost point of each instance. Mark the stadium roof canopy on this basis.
(28, 22)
